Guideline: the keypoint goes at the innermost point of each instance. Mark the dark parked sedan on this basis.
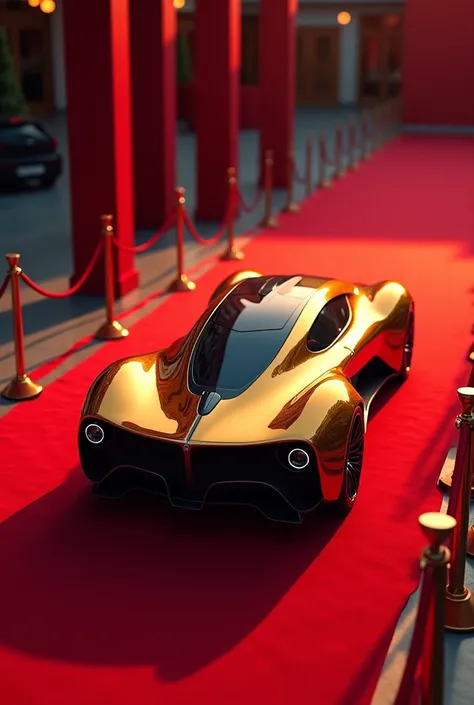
(28, 154)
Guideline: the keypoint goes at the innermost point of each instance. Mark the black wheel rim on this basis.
(354, 458)
(408, 349)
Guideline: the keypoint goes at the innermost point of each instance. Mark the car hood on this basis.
(149, 394)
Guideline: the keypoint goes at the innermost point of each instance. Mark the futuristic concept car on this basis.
(265, 402)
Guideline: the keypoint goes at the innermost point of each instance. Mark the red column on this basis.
(438, 61)
(277, 83)
(99, 128)
(153, 54)
(216, 101)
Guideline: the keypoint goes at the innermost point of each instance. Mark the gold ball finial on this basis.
(436, 526)
(466, 397)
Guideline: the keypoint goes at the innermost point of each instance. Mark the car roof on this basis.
(266, 303)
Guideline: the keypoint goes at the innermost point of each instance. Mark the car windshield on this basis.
(245, 333)
(22, 134)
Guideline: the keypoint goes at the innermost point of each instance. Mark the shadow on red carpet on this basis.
(132, 581)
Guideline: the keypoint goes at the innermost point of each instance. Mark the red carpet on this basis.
(132, 603)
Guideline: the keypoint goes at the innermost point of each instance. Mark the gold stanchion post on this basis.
(111, 329)
(21, 386)
(309, 165)
(436, 527)
(181, 283)
(232, 252)
(338, 150)
(459, 600)
(269, 220)
(324, 180)
(291, 206)
(365, 132)
(352, 140)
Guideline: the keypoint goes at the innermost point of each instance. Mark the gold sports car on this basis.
(264, 402)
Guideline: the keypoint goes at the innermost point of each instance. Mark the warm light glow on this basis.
(47, 6)
(344, 18)
(179, 4)
(392, 20)
(34, 3)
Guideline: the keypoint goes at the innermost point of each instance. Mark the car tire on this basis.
(353, 463)
(49, 182)
(408, 345)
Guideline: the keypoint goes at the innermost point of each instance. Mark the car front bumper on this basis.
(15, 172)
(192, 476)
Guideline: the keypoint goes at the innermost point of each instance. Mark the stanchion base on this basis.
(367, 157)
(459, 615)
(470, 357)
(111, 331)
(291, 208)
(327, 183)
(340, 174)
(269, 223)
(470, 542)
(21, 389)
(232, 253)
(182, 283)
(354, 166)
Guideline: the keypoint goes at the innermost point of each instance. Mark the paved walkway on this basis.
(37, 224)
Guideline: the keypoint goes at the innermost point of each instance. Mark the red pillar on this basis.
(216, 101)
(438, 61)
(99, 129)
(153, 54)
(277, 83)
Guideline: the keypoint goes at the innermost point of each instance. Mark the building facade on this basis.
(335, 64)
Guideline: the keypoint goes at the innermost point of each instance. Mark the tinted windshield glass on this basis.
(20, 134)
(228, 359)
(246, 333)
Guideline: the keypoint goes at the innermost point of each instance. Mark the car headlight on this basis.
(94, 433)
(298, 459)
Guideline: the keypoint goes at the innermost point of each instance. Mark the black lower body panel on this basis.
(193, 476)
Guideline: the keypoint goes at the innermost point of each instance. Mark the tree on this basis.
(12, 101)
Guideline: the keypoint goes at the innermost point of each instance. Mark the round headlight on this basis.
(298, 459)
(94, 433)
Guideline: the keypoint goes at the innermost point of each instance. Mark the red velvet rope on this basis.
(405, 691)
(5, 283)
(64, 294)
(137, 249)
(458, 472)
(207, 241)
(255, 203)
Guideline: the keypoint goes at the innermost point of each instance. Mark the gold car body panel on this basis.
(300, 396)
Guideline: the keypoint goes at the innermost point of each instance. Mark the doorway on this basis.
(29, 35)
(317, 66)
(381, 58)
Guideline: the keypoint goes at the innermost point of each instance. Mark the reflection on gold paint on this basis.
(301, 395)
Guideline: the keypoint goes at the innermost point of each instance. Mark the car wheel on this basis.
(353, 463)
(408, 345)
(49, 182)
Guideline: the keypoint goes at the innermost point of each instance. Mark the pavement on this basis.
(459, 647)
